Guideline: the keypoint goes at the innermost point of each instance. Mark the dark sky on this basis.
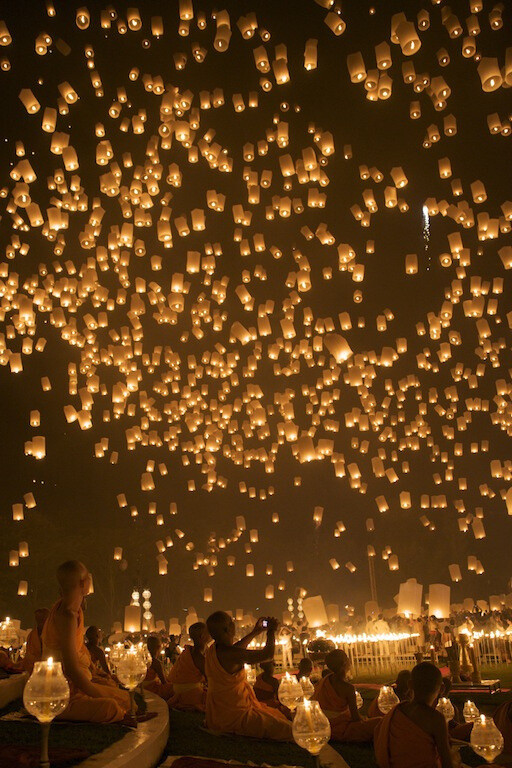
(77, 514)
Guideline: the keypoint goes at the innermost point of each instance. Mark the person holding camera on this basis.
(231, 704)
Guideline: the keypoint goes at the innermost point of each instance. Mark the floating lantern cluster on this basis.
(159, 271)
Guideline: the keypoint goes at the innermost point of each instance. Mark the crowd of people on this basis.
(209, 675)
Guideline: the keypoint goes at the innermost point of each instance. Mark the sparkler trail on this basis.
(426, 234)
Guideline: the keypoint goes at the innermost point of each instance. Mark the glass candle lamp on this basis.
(307, 686)
(45, 696)
(387, 699)
(445, 707)
(470, 712)
(311, 728)
(289, 692)
(486, 740)
(131, 669)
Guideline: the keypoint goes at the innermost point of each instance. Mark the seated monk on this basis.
(93, 637)
(231, 704)
(503, 719)
(33, 647)
(402, 689)
(155, 680)
(337, 699)
(305, 668)
(266, 685)
(63, 639)
(187, 673)
(414, 734)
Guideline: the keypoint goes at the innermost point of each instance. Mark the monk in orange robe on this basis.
(337, 699)
(63, 639)
(187, 675)
(503, 719)
(401, 688)
(231, 704)
(155, 680)
(93, 638)
(414, 734)
(33, 647)
(266, 685)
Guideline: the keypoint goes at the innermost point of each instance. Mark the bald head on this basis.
(337, 661)
(198, 633)
(426, 681)
(72, 576)
(221, 627)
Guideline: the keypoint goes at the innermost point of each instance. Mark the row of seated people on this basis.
(413, 729)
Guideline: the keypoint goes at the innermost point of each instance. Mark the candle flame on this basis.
(49, 662)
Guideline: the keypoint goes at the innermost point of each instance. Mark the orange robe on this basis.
(153, 684)
(268, 695)
(264, 691)
(343, 728)
(112, 704)
(400, 743)
(504, 724)
(33, 651)
(188, 683)
(232, 706)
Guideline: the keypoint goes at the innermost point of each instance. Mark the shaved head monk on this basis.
(187, 673)
(63, 639)
(33, 647)
(155, 680)
(414, 734)
(231, 704)
(337, 698)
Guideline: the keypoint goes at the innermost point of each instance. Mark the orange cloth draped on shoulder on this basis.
(112, 703)
(504, 724)
(33, 651)
(153, 684)
(400, 743)
(188, 683)
(264, 691)
(338, 712)
(232, 706)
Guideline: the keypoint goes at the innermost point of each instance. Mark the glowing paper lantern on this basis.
(132, 618)
(314, 611)
(439, 601)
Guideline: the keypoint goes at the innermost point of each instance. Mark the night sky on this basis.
(77, 514)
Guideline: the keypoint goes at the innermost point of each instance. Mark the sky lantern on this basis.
(182, 302)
